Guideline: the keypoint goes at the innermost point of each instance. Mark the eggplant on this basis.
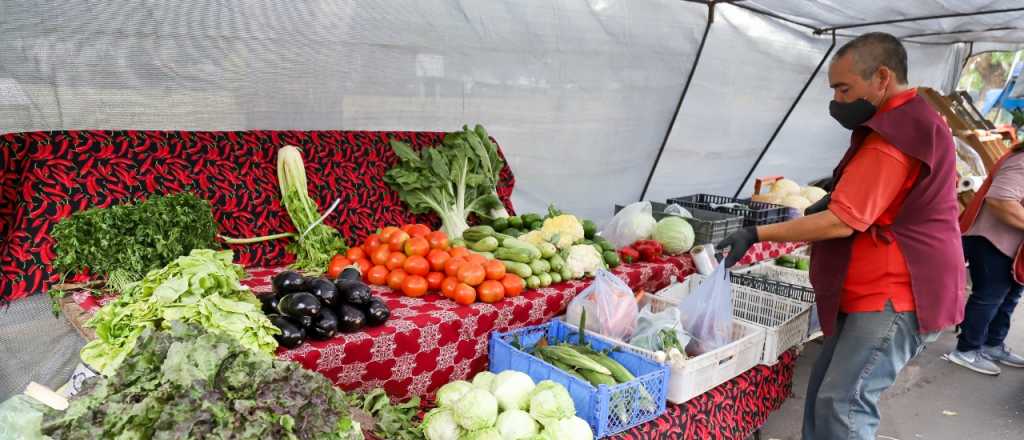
(350, 319)
(356, 293)
(325, 290)
(304, 322)
(269, 301)
(376, 312)
(291, 335)
(288, 282)
(325, 325)
(299, 304)
(350, 273)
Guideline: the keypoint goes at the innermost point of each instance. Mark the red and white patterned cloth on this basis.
(431, 341)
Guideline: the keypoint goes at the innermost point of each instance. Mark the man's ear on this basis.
(885, 79)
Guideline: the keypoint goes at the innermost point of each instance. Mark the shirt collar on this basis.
(898, 100)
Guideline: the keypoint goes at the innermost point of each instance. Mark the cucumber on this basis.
(555, 277)
(557, 263)
(534, 281)
(566, 274)
(545, 279)
(547, 250)
(803, 264)
(515, 243)
(540, 266)
(521, 269)
(486, 244)
(604, 244)
(611, 259)
(516, 254)
(477, 233)
(589, 229)
(500, 224)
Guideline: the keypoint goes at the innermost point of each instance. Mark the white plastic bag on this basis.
(675, 209)
(649, 326)
(632, 223)
(706, 312)
(610, 305)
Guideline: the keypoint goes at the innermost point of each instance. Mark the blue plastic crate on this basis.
(596, 405)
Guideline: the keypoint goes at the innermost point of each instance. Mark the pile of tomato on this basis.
(415, 260)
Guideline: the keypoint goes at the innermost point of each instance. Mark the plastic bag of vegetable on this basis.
(21, 417)
(610, 305)
(707, 312)
(632, 223)
(660, 331)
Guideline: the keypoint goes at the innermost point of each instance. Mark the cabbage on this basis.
(550, 402)
(516, 425)
(674, 234)
(632, 223)
(813, 193)
(439, 424)
(512, 389)
(484, 380)
(483, 434)
(452, 392)
(477, 409)
(573, 428)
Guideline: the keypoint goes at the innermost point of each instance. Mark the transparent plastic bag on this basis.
(21, 417)
(706, 313)
(676, 210)
(610, 305)
(632, 223)
(650, 327)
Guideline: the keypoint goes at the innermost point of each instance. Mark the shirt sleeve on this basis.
(1008, 183)
(870, 183)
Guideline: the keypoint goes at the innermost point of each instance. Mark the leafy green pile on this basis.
(202, 287)
(124, 242)
(454, 179)
(186, 383)
(392, 422)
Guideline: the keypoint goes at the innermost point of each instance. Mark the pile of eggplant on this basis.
(318, 308)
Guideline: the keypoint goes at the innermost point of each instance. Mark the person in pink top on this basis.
(993, 228)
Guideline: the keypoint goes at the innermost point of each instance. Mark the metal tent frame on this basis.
(819, 31)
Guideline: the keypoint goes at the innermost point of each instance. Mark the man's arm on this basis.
(1010, 212)
(817, 227)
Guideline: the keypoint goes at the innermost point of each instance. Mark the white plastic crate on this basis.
(784, 320)
(699, 374)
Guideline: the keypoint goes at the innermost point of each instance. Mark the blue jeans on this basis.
(856, 364)
(993, 298)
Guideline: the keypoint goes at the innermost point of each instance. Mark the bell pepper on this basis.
(629, 255)
(650, 250)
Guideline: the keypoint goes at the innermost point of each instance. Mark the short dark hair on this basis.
(874, 50)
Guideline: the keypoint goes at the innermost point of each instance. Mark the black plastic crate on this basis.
(781, 288)
(708, 226)
(753, 213)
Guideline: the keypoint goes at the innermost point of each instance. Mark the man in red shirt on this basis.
(873, 329)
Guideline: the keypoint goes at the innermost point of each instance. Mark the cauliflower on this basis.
(533, 237)
(563, 230)
(584, 259)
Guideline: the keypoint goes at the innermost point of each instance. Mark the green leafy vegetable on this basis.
(454, 179)
(314, 242)
(124, 242)
(202, 288)
(186, 383)
(393, 422)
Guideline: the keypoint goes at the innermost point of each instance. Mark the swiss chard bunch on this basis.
(454, 179)
(124, 242)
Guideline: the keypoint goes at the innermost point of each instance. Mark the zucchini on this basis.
(502, 237)
(486, 244)
(515, 243)
(533, 282)
(555, 277)
(547, 250)
(500, 224)
(604, 244)
(477, 233)
(540, 266)
(520, 255)
(611, 259)
(457, 242)
(597, 379)
(521, 269)
(545, 278)
(567, 274)
(557, 263)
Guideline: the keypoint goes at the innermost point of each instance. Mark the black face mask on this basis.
(852, 114)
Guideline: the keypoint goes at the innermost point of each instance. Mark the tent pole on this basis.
(679, 105)
(922, 18)
(782, 123)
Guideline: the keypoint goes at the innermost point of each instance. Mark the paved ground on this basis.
(933, 399)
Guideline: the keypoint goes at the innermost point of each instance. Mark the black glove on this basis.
(819, 206)
(739, 243)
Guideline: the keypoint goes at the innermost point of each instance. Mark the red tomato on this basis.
(395, 261)
(414, 286)
(377, 275)
(380, 255)
(386, 233)
(416, 230)
(448, 286)
(434, 280)
(476, 258)
(491, 291)
(416, 265)
(364, 265)
(438, 240)
(417, 246)
(513, 284)
(355, 254)
(437, 258)
(464, 294)
(472, 274)
(396, 240)
(495, 269)
(371, 243)
(395, 279)
(338, 263)
(451, 267)
(456, 252)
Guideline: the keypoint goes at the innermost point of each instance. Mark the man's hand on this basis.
(819, 206)
(739, 243)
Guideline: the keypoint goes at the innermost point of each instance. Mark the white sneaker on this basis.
(974, 361)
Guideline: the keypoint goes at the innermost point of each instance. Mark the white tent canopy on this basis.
(581, 94)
